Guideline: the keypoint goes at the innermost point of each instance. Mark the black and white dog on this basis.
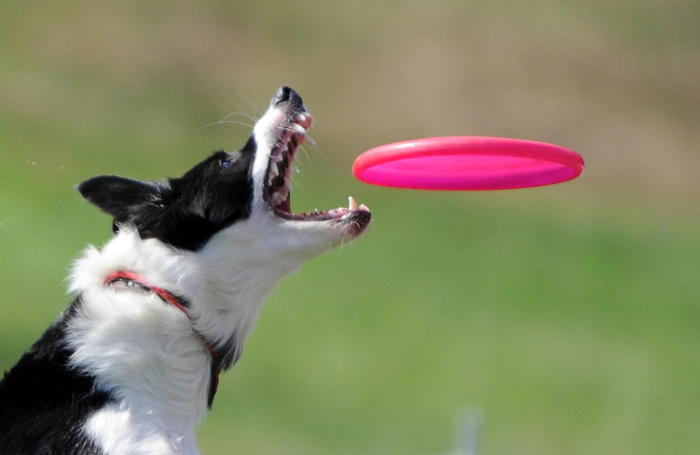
(131, 366)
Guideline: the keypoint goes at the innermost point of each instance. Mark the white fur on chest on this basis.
(118, 430)
(146, 355)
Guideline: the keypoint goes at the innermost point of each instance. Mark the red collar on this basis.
(180, 304)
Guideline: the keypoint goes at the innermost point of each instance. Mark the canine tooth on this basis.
(364, 207)
(304, 119)
(288, 186)
(352, 204)
(298, 129)
(274, 171)
(310, 140)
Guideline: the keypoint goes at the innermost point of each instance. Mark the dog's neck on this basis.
(133, 282)
(150, 355)
(226, 283)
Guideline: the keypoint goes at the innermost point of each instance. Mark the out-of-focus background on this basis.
(568, 316)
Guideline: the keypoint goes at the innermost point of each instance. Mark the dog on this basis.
(132, 365)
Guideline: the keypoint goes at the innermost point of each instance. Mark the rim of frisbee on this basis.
(550, 163)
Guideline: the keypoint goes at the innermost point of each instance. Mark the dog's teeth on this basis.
(278, 198)
(304, 119)
(274, 171)
(277, 158)
(310, 140)
(352, 204)
(288, 186)
(298, 129)
(364, 207)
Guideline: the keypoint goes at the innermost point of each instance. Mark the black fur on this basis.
(184, 212)
(44, 403)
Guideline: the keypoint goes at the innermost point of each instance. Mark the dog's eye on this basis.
(227, 160)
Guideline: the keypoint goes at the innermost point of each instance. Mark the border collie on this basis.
(132, 365)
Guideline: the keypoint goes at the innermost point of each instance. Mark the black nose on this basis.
(287, 95)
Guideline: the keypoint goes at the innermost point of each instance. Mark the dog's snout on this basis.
(287, 95)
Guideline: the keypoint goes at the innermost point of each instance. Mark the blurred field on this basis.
(568, 315)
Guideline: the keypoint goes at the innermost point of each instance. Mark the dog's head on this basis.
(241, 197)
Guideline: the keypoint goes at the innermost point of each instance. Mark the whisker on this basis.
(306, 154)
(340, 248)
(256, 107)
(248, 116)
(221, 122)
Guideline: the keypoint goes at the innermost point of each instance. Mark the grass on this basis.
(567, 315)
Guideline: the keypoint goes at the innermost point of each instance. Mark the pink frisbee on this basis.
(467, 163)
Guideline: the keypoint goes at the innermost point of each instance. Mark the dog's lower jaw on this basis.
(242, 265)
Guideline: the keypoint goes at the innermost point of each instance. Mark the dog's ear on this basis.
(150, 207)
(121, 197)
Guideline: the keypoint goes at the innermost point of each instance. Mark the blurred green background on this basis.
(568, 316)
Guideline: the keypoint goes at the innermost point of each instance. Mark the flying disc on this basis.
(467, 163)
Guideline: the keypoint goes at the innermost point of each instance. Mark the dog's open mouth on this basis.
(278, 185)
